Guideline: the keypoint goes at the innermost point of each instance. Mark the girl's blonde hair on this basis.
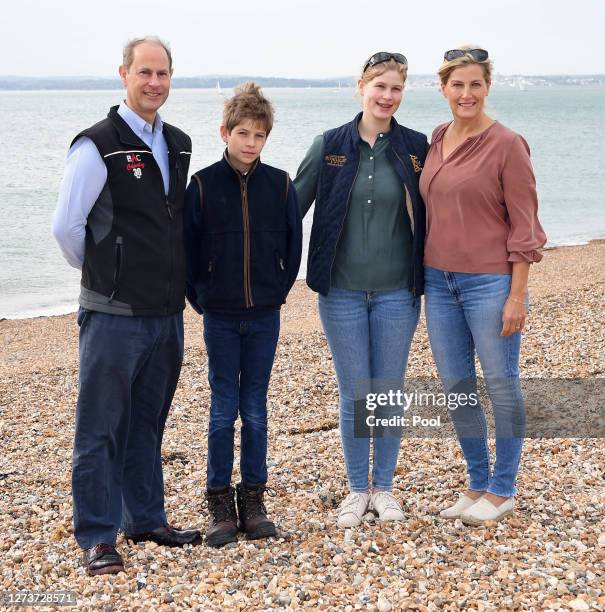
(379, 69)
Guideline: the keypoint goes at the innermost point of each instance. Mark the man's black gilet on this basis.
(134, 259)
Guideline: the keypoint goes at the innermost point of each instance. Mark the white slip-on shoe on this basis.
(387, 506)
(484, 510)
(464, 502)
(352, 509)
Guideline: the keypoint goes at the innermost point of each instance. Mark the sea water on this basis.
(564, 127)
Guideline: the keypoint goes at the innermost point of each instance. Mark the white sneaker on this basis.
(453, 512)
(352, 509)
(484, 510)
(387, 506)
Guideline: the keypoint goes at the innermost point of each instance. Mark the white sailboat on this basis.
(219, 91)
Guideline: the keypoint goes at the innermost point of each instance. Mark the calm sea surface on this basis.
(563, 125)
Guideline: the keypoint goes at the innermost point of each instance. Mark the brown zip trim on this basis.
(246, 221)
(243, 187)
(198, 180)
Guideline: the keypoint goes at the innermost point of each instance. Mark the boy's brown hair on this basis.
(248, 103)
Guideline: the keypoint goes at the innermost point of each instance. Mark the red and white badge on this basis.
(135, 165)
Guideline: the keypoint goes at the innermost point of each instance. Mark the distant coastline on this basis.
(24, 83)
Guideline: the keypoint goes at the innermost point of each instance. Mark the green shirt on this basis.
(375, 247)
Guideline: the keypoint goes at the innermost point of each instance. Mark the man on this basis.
(119, 220)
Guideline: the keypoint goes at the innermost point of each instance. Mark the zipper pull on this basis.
(169, 209)
(281, 264)
(210, 266)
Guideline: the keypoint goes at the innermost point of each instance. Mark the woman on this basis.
(482, 235)
(365, 261)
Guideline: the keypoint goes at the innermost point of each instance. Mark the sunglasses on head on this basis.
(385, 56)
(479, 55)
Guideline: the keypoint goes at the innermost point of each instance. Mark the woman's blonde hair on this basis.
(379, 69)
(447, 68)
(248, 103)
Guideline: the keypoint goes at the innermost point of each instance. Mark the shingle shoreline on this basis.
(550, 555)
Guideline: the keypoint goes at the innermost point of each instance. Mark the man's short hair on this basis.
(128, 52)
(248, 103)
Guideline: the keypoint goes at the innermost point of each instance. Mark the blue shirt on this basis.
(84, 178)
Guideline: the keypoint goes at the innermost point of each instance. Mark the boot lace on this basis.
(222, 507)
(253, 500)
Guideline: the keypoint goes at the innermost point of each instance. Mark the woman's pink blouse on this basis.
(481, 204)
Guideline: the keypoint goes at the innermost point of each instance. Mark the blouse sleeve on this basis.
(307, 176)
(526, 236)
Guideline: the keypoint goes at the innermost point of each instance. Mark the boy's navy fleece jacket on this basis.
(243, 239)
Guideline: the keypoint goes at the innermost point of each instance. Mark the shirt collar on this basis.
(242, 174)
(137, 124)
(382, 136)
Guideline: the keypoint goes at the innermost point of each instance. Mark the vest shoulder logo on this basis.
(416, 163)
(337, 161)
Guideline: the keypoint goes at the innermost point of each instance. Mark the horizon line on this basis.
(331, 78)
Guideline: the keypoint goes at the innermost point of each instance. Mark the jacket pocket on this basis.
(313, 254)
(211, 270)
(118, 265)
(281, 271)
(83, 315)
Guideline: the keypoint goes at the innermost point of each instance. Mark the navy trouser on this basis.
(129, 368)
(240, 359)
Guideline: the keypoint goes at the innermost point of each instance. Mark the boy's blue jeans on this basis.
(369, 334)
(464, 314)
(240, 359)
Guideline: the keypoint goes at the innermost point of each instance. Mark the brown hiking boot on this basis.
(223, 518)
(253, 518)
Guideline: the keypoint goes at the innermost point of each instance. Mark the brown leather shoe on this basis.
(223, 517)
(166, 535)
(102, 559)
(252, 512)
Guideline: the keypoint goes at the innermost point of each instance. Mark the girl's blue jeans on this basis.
(369, 334)
(464, 316)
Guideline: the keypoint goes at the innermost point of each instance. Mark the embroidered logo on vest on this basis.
(135, 164)
(417, 165)
(338, 161)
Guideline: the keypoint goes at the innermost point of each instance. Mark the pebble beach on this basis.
(550, 555)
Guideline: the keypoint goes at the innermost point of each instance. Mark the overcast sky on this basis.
(310, 38)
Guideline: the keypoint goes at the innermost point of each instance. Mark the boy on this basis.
(243, 241)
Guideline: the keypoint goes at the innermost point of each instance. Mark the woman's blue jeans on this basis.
(369, 334)
(464, 315)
